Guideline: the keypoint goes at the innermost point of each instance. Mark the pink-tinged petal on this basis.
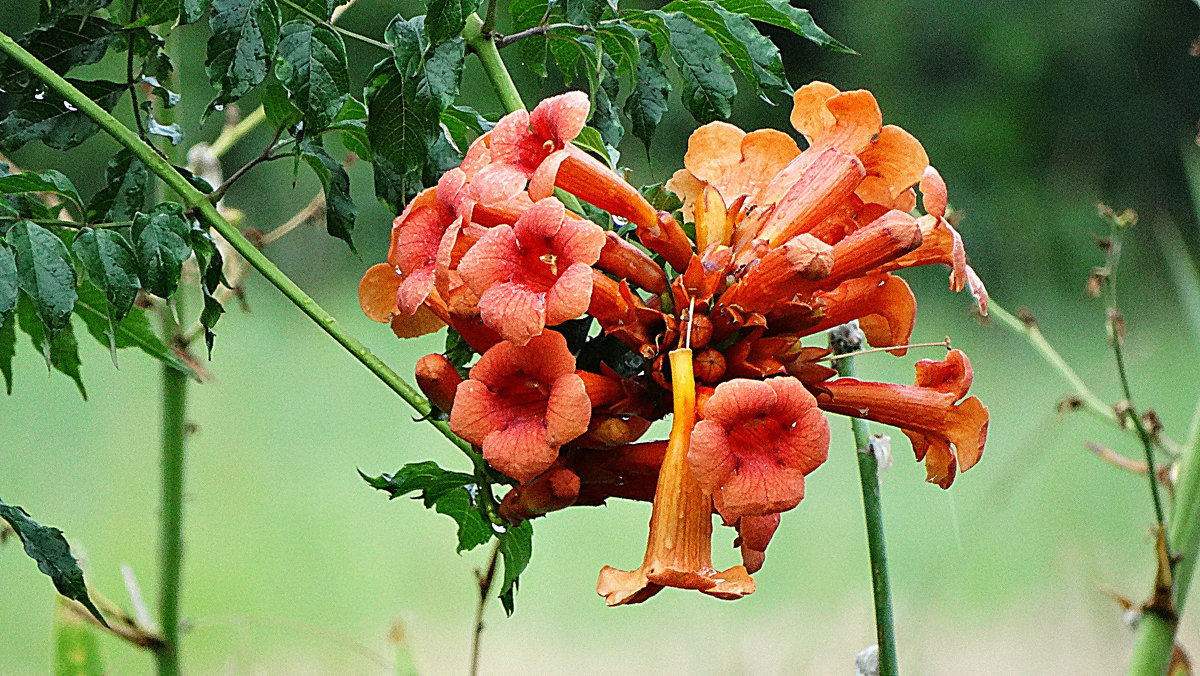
(478, 156)
(754, 534)
(514, 311)
(711, 457)
(934, 195)
(520, 451)
(570, 296)
(759, 487)
(540, 223)
(568, 410)
(579, 241)
(414, 290)
(738, 400)
(475, 412)
(498, 182)
(560, 118)
(418, 238)
(541, 184)
(545, 358)
(496, 365)
(493, 259)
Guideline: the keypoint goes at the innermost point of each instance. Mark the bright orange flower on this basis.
(929, 413)
(535, 273)
(756, 443)
(522, 404)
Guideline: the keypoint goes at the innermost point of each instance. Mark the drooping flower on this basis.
(756, 443)
(535, 273)
(679, 548)
(377, 295)
(521, 404)
(930, 413)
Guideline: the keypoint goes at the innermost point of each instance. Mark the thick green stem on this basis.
(208, 214)
(868, 475)
(174, 431)
(484, 47)
(1156, 633)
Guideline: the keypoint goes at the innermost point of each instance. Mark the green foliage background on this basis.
(1033, 111)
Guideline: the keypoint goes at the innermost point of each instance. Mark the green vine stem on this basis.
(844, 341)
(204, 209)
(1156, 632)
(174, 432)
(484, 46)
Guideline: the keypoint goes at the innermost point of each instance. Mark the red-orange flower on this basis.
(927, 413)
(757, 441)
(521, 404)
(535, 273)
(521, 141)
(416, 235)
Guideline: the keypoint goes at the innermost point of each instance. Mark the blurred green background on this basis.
(1033, 112)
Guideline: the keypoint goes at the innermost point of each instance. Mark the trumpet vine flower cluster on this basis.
(708, 327)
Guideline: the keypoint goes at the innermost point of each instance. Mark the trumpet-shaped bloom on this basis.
(535, 273)
(929, 413)
(757, 441)
(521, 404)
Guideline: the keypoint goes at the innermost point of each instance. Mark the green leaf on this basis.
(427, 479)
(279, 108)
(351, 121)
(753, 54)
(8, 346)
(49, 548)
(76, 648)
(620, 41)
(8, 281)
(49, 181)
(586, 12)
(45, 273)
(781, 13)
(660, 198)
(527, 14)
(648, 102)
(311, 64)
(446, 18)
(516, 548)
(245, 34)
(708, 87)
(72, 41)
(154, 12)
(339, 208)
(47, 117)
(591, 140)
(407, 37)
(401, 126)
(52, 10)
(161, 244)
(124, 191)
(443, 70)
(61, 352)
(575, 55)
(321, 8)
(132, 331)
(111, 265)
(473, 528)
(464, 124)
(604, 109)
(457, 350)
(212, 266)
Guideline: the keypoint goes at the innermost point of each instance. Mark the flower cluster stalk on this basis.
(868, 474)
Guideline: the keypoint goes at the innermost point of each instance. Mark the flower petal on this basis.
(514, 311)
(560, 118)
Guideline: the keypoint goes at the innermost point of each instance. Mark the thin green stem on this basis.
(174, 431)
(66, 224)
(868, 475)
(485, 587)
(229, 136)
(208, 214)
(348, 33)
(1143, 434)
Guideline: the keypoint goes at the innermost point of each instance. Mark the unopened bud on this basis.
(709, 366)
(438, 379)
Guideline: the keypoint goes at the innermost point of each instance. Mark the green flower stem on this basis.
(1156, 632)
(868, 474)
(174, 431)
(484, 47)
(348, 33)
(208, 213)
(1090, 401)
